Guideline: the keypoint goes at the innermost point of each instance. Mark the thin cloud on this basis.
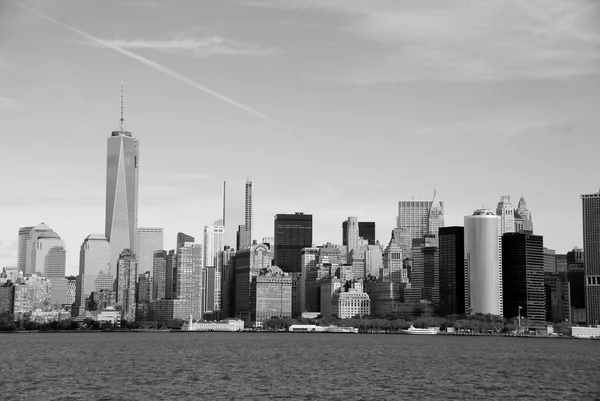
(158, 67)
(146, 4)
(468, 40)
(209, 46)
(6, 102)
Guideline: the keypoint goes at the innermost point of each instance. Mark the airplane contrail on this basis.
(156, 66)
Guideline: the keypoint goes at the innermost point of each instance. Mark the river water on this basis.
(295, 366)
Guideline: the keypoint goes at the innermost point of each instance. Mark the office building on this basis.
(523, 276)
(148, 240)
(7, 301)
(30, 251)
(126, 285)
(270, 295)
(347, 303)
(505, 212)
(549, 260)
(414, 216)
(94, 259)
(392, 266)
(452, 270)
(309, 258)
(182, 239)
(159, 275)
(483, 263)
(373, 260)
(143, 296)
(591, 255)
(122, 180)
(22, 247)
(213, 244)
(248, 263)
(383, 296)
(366, 231)
(190, 278)
(164, 310)
(226, 265)
(558, 297)
(424, 278)
(293, 232)
(522, 216)
(351, 235)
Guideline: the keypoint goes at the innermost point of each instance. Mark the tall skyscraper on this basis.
(248, 264)
(523, 220)
(591, 255)
(452, 270)
(30, 247)
(505, 212)
(549, 260)
(483, 263)
(126, 284)
(366, 231)
(293, 232)
(424, 277)
(122, 172)
(182, 239)
(94, 258)
(392, 268)
(246, 240)
(191, 278)
(309, 258)
(523, 276)
(159, 280)
(414, 216)
(351, 236)
(148, 240)
(48, 259)
(213, 243)
(22, 255)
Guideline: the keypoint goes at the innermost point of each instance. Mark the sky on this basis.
(335, 108)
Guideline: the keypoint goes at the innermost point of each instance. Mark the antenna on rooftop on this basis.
(122, 119)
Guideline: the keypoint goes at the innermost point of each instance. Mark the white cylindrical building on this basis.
(483, 263)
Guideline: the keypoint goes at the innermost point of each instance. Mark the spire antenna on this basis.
(122, 119)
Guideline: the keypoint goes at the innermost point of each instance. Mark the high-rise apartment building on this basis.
(126, 284)
(122, 178)
(523, 276)
(248, 214)
(213, 244)
(22, 247)
(94, 258)
(159, 275)
(452, 270)
(591, 255)
(191, 278)
(148, 240)
(483, 263)
(505, 212)
(414, 216)
(293, 232)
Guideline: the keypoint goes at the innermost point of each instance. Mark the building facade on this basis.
(190, 278)
(452, 271)
(505, 212)
(413, 215)
(22, 248)
(293, 232)
(591, 256)
(148, 240)
(483, 263)
(270, 295)
(94, 259)
(126, 285)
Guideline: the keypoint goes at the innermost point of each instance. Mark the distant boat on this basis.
(413, 330)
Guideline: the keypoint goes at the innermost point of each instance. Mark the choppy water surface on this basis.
(236, 366)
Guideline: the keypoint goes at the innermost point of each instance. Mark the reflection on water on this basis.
(236, 366)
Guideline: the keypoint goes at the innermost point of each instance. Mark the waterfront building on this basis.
(210, 288)
(350, 303)
(122, 181)
(383, 295)
(309, 258)
(483, 263)
(248, 263)
(143, 296)
(591, 247)
(452, 270)
(312, 298)
(522, 216)
(558, 297)
(33, 292)
(226, 260)
(549, 260)
(414, 216)
(523, 276)
(126, 284)
(227, 325)
(94, 259)
(424, 278)
(171, 275)
(22, 248)
(392, 266)
(109, 315)
(293, 232)
(148, 240)
(7, 301)
(163, 310)
(159, 275)
(506, 214)
(190, 278)
(576, 278)
(329, 285)
(270, 295)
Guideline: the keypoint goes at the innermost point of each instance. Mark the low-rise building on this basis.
(585, 332)
(162, 310)
(347, 304)
(223, 325)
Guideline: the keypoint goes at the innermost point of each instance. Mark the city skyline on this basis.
(84, 108)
